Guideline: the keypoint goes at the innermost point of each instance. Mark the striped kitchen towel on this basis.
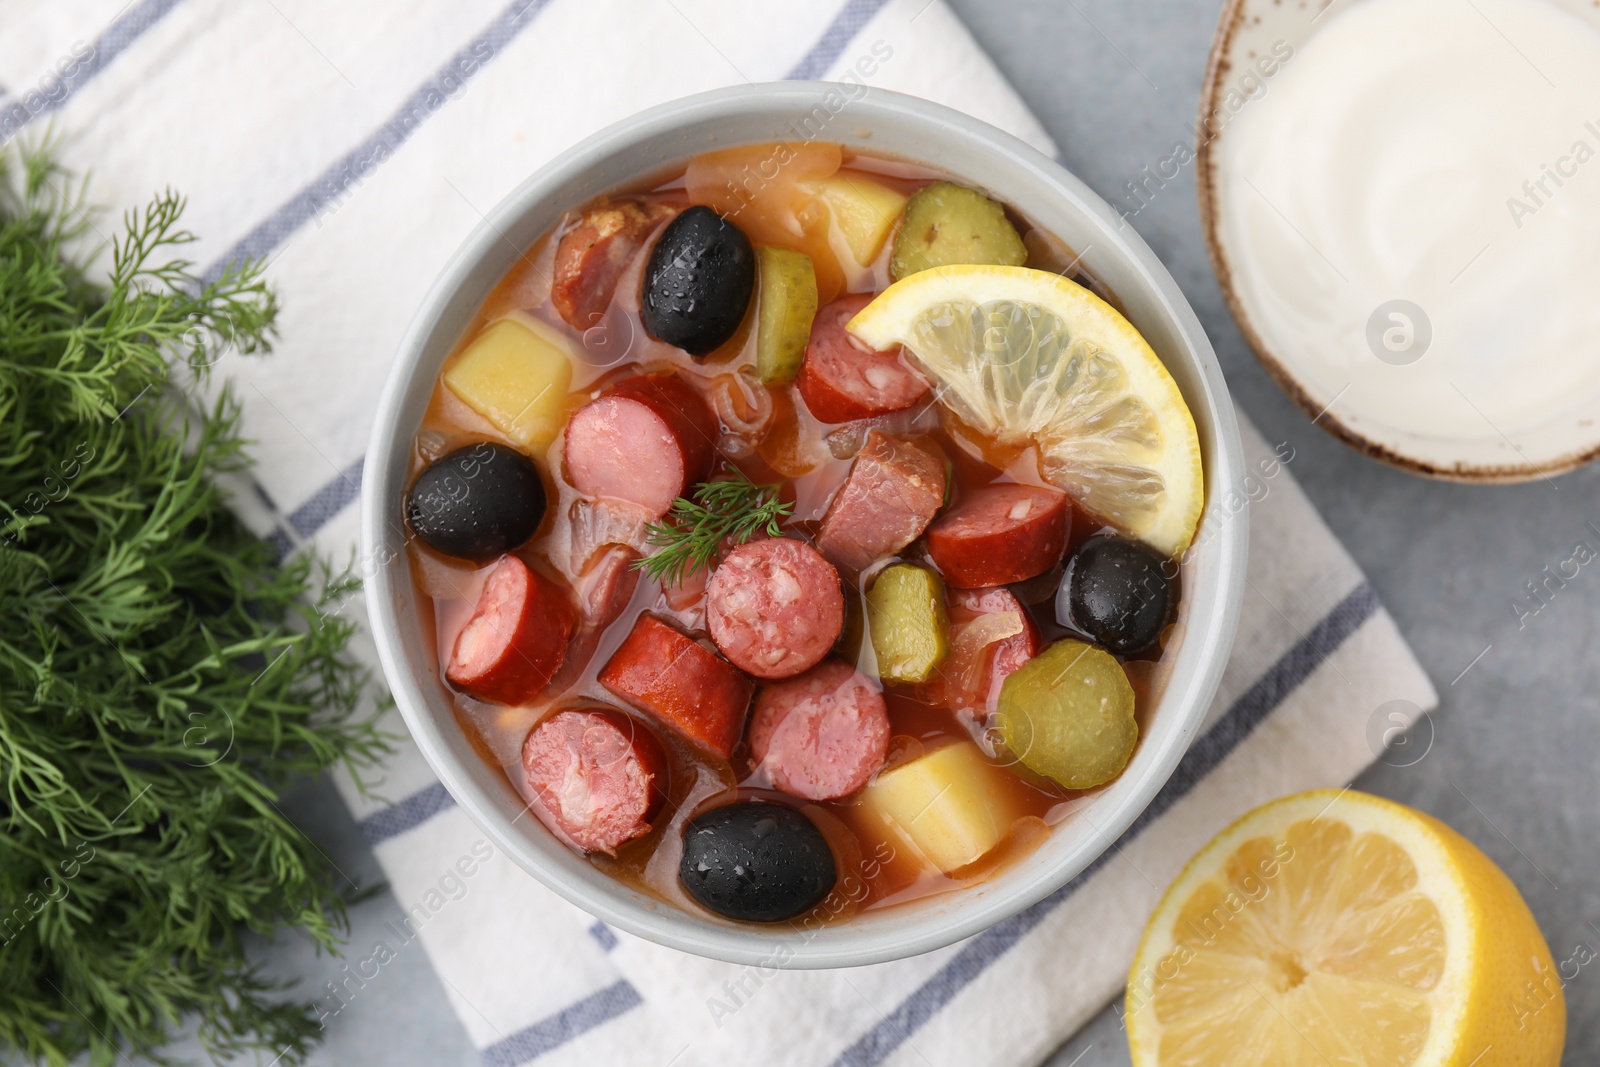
(354, 146)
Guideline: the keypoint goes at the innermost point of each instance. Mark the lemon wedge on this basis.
(1333, 927)
(1026, 356)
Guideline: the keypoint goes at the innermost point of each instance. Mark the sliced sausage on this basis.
(516, 638)
(774, 607)
(593, 255)
(598, 777)
(842, 380)
(1002, 657)
(644, 441)
(822, 734)
(1000, 534)
(893, 491)
(681, 682)
(606, 585)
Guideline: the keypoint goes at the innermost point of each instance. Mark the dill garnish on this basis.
(731, 509)
(163, 678)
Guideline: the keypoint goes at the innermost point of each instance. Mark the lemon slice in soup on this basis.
(1026, 356)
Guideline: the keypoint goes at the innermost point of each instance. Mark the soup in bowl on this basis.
(803, 550)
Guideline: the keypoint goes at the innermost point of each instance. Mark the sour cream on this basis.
(1411, 222)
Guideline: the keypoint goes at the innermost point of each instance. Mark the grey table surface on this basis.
(1512, 759)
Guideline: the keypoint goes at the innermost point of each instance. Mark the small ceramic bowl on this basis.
(635, 151)
(1258, 43)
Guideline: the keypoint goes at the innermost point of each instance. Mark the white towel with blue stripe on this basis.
(355, 145)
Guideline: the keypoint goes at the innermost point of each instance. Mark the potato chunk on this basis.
(864, 211)
(949, 805)
(516, 374)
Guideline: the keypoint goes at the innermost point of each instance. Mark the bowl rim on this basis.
(1209, 632)
(1217, 66)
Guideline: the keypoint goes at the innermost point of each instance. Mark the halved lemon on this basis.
(1336, 928)
(1025, 355)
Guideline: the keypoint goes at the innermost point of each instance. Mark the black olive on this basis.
(1117, 591)
(698, 282)
(478, 502)
(756, 861)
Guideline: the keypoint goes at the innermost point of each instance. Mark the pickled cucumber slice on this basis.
(1068, 714)
(909, 626)
(946, 223)
(787, 304)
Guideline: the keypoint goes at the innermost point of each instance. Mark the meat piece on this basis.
(774, 607)
(822, 734)
(598, 777)
(681, 682)
(644, 441)
(606, 585)
(967, 604)
(688, 591)
(593, 255)
(1000, 534)
(894, 490)
(841, 379)
(974, 672)
(516, 638)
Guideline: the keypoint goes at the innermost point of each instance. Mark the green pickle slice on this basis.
(1068, 715)
(946, 223)
(784, 310)
(909, 626)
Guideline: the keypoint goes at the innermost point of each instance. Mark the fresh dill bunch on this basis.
(731, 509)
(162, 676)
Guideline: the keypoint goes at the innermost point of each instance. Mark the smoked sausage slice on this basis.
(644, 441)
(1000, 534)
(842, 380)
(893, 491)
(971, 677)
(516, 638)
(774, 607)
(822, 734)
(598, 777)
(593, 255)
(681, 682)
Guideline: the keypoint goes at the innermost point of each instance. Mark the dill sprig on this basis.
(162, 677)
(731, 509)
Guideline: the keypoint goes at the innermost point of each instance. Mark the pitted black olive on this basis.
(478, 502)
(698, 282)
(756, 861)
(1116, 591)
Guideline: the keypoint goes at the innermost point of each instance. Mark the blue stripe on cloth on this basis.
(1248, 712)
(123, 31)
(604, 936)
(531, 1042)
(840, 32)
(337, 181)
(330, 188)
(282, 547)
(328, 501)
(410, 813)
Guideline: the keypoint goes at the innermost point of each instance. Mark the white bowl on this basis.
(968, 150)
(1251, 36)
